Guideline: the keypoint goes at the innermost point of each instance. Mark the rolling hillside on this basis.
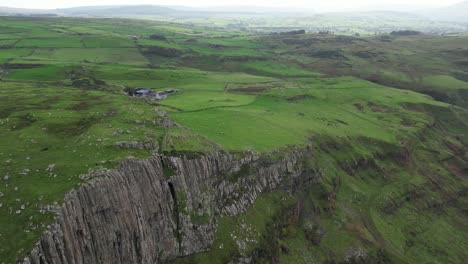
(268, 148)
(448, 20)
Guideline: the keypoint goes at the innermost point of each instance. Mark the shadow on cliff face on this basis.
(176, 214)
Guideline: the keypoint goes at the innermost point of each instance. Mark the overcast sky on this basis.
(314, 4)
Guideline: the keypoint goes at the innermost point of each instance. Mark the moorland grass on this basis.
(72, 130)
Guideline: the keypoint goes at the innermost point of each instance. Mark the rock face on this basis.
(161, 208)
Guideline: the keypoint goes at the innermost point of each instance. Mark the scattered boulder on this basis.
(165, 121)
(313, 233)
(137, 145)
(51, 167)
(354, 255)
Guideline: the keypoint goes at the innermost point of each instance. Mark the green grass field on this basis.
(72, 130)
(291, 116)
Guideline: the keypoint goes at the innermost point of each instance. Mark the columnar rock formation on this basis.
(161, 208)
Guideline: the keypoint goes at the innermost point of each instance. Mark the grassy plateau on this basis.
(386, 115)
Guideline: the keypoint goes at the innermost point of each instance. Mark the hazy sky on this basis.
(315, 4)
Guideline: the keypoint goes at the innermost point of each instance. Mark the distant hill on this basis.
(117, 10)
(248, 9)
(132, 10)
(450, 19)
(455, 13)
(12, 10)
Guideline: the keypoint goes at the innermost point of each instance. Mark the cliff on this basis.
(148, 211)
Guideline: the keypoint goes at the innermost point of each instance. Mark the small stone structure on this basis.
(148, 93)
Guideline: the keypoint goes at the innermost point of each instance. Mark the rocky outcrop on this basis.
(161, 208)
(137, 145)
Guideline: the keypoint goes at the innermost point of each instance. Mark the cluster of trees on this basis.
(405, 33)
